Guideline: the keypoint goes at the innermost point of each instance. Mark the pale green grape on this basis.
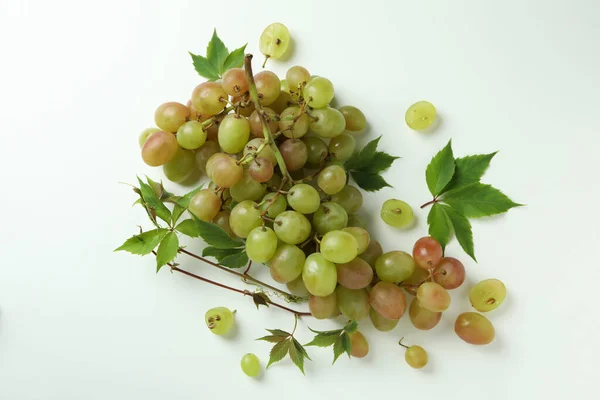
(339, 246)
(279, 205)
(297, 287)
(353, 304)
(421, 317)
(342, 146)
(355, 274)
(327, 122)
(250, 365)
(297, 77)
(209, 98)
(146, 134)
(474, 328)
(205, 205)
(223, 170)
(316, 149)
(318, 92)
(267, 152)
(261, 244)
(159, 148)
(274, 41)
(285, 87)
(382, 323)
(358, 345)
(287, 263)
(361, 235)
(372, 253)
(234, 132)
(329, 217)
(395, 266)
(357, 220)
(191, 135)
(292, 227)
(487, 295)
(388, 300)
(319, 275)
(397, 213)
(219, 320)
(234, 82)
(355, 119)
(322, 307)
(416, 356)
(420, 115)
(350, 198)
(246, 188)
(180, 166)
(170, 116)
(296, 127)
(433, 297)
(268, 87)
(332, 179)
(304, 198)
(208, 149)
(244, 217)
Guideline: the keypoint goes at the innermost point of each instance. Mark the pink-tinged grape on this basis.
(433, 297)
(355, 274)
(256, 127)
(487, 295)
(362, 237)
(234, 132)
(146, 134)
(205, 205)
(219, 320)
(427, 252)
(261, 169)
(381, 323)
(350, 198)
(296, 127)
(317, 150)
(159, 148)
(297, 287)
(268, 87)
(294, 154)
(296, 77)
(474, 328)
(223, 170)
(304, 198)
(342, 146)
(420, 115)
(234, 82)
(322, 307)
(170, 116)
(449, 273)
(209, 98)
(355, 119)
(353, 304)
(292, 227)
(178, 168)
(279, 204)
(319, 275)
(397, 213)
(274, 41)
(329, 217)
(416, 356)
(267, 152)
(332, 179)
(411, 285)
(287, 263)
(194, 114)
(284, 100)
(246, 188)
(372, 253)
(421, 317)
(222, 220)
(191, 135)
(339, 246)
(394, 266)
(250, 365)
(244, 217)
(261, 244)
(318, 92)
(357, 220)
(359, 347)
(327, 122)
(388, 300)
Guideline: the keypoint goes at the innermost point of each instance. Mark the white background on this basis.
(79, 80)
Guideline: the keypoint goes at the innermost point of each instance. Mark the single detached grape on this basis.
(304, 198)
(146, 134)
(427, 252)
(327, 122)
(397, 213)
(319, 275)
(207, 150)
(268, 87)
(388, 300)
(358, 345)
(191, 135)
(322, 307)
(267, 152)
(339, 247)
(234, 82)
(170, 116)
(261, 244)
(474, 328)
(294, 154)
(372, 253)
(332, 179)
(356, 274)
(178, 168)
(205, 205)
(350, 198)
(317, 150)
(223, 170)
(394, 266)
(318, 92)
(420, 115)
(416, 356)
(450, 273)
(433, 297)
(361, 235)
(342, 146)
(278, 205)
(292, 227)
(244, 217)
(256, 127)
(487, 295)
(219, 320)
(234, 132)
(209, 98)
(250, 365)
(159, 148)
(353, 304)
(355, 119)
(247, 188)
(274, 41)
(382, 323)
(287, 263)
(421, 317)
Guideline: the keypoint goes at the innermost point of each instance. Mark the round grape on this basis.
(397, 213)
(191, 135)
(205, 205)
(292, 227)
(355, 274)
(297, 287)
(388, 300)
(487, 295)
(361, 235)
(209, 98)
(416, 356)
(339, 246)
(316, 149)
(327, 122)
(223, 170)
(267, 152)
(297, 77)
(296, 127)
(234, 132)
(357, 220)
(304, 198)
(247, 188)
(372, 253)
(394, 266)
(286, 264)
(382, 323)
(342, 146)
(433, 297)
(427, 252)
(170, 116)
(350, 198)
(178, 168)
(219, 320)
(268, 87)
(319, 275)
(329, 217)
(283, 101)
(250, 365)
(322, 307)
(146, 134)
(355, 119)
(449, 273)
(421, 317)
(159, 148)
(278, 206)
(318, 92)
(256, 126)
(261, 244)
(234, 82)
(294, 154)
(353, 304)
(474, 328)
(222, 220)
(274, 41)
(332, 179)
(261, 169)
(420, 115)
(244, 217)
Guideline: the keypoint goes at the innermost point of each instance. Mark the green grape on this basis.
(357, 220)
(381, 323)
(327, 122)
(159, 148)
(355, 274)
(319, 275)
(427, 252)
(397, 213)
(297, 287)
(318, 92)
(191, 135)
(170, 116)
(274, 183)
(394, 266)
(359, 347)
(329, 217)
(219, 320)
(261, 244)
(247, 188)
(339, 246)
(244, 217)
(256, 126)
(361, 235)
(287, 263)
(285, 87)
(418, 276)
(342, 146)
(474, 328)
(234, 82)
(449, 273)
(205, 205)
(146, 134)
(372, 253)
(178, 168)
(250, 365)
(332, 179)
(223, 170)
(350, 198)
(274, 41)
(294, 154)
(416, 356)
(194, 114)
(261, 169)
(234, 132)
(297, 77)
(420, 115)
(304, 198)
(322, 307)
(296, 127)
(279, 205)
(222, 220)
(283, 101)
(209, 98)
(353, 304)
(433, 297)
(487, 295)
(267, 152)
(421, 317)
(355, 119)
(292, 227)
(268, 87)
(388, 300)
(316, 150)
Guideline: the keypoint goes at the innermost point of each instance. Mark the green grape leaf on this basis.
(278, 351)
(143, 243)
(469, 170)
(176, 213)
(279, 332)
(363, 158)
(479, 200)
(462, 230)
(351, 327)
(215, 236)
(184, 201)
(157, 187)
(380, 162)
(235, 59)
(218, 59)
(216, 52)
(204, 67)
(153, 202)
(260, 299)
(346, 343)
(167, 250)
(300, 348)
(440, 226)
(272, 338)
(324, 339)
(297, 354)
(440, 170)
(188, 227)
(338, 348)
(219, 254)
(366, 166)
(238, 260)
(368, 181)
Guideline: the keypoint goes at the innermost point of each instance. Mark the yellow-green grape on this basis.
(319, 275)
(421, 317)
(205, 205)
(234, 132)
(416, 356)
(191, 135)
(278, 206)
(420, 115)
(418, 276)
(145, 134)
(170, 116)
(223, 170)
(268, 87)
(355, 119)
(250, 365)
(433, 297)
(358, 345)
(293, 124)
(267, 152)
(246, 188)
(292, 227)
(274, 41)
(395, 266)
(353, 304)
(219, 320)
(297, 77)
(350, 198)
(327, 122)
(244, 217)
(382, 323)
(287, 263)
(332, 179)
(487, 295)
(261, 244)
(342, 146)
(283, 101)
(388, 300)
(372, 253)
(222, 220)
(474, 328)
(329, 217)
(316, 149)
(297, 287)
(357, 220)
(209, 98)
(318, 92)
(355, 274)
(339, 247)
(397, 213)
(285, 87)
(208, 149)
(361, 235)
(180, 166)
(322, 307)
(159, 148)
(304, 198)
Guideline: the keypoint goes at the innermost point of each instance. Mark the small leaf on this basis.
(346, 343)
(440, 170)
(300, 348)
(338, 348)
(296, 356)
(188, 227)
(380, 162)
(278, 352)
(154, 203)
(363, 158)
(279, 332)
(238, 260)
(167, 250)
(204, 68)
(479, 200)
(216, 53)
(215, 236)
(469, 170)
(462, 230)
(440, 226)
(235, 59)
(351, 326)
(143, 243)
(260, 299)
(368, 181)
(184, 201)
(176, 213)
(272, 338)
(219, 254)
(325, 339)
(157, 187)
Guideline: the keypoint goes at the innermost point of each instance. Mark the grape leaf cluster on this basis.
(218, 59)
(285, 344)
(338, 338)
(367, 165)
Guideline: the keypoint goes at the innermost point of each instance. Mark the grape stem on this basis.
(248, 268)
(435, 200)
(401, 344)
(279, 191)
